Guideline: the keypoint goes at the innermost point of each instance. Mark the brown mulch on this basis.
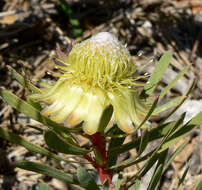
(31, 30)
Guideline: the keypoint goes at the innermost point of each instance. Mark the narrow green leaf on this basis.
(46, 170)
(114, 142)
(158, 171)
(86, 180)
(172, 157)
(182, 131)
(177, 125)
(106, 117)
(73, 20)
(165, 131)
(179, 104)
(173, 82)
(168, 105)
(28, 145)
(183, 176)
(76, 187)
(43, 186)
(157, 74)
(150, 112)
(153, 153)
(148, 165)
(137, 185)
(198, 186)
(98, 157)
(154, 134)
(155, 177)
(34, 104)
(106, 185)
(119, 182)
(23, 81)
(145, 168)
(132, 161)
(145, 139)
(57, 144)
(143, 143)
(33, 113)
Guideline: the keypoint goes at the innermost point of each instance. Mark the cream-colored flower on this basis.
(96, 73)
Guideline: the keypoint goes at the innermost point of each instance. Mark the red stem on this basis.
(99, 143)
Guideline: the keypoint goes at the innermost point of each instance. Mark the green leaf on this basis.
(156, 177)
(168, 105)
(150, 112)
(46, 170)
(86, 180)
(158, 171)
(98, 157)
(154, 134)
(179, 104)
(33, 113)
(28, 145)
(114, 142)
(57, 144)
(145, 168)
(119, 182)
(132, 161)
(34, 104)
(157, 74)
(183, 177)
(195, 121)
(148, 165)
(177, 125)
(106, 117)
(73, 20)
(23, 81)
(145, 138)
(153, 153)
(173, 82)
(137, 185)
(172, 157)
(198, 186)
(43, 186)
(144, 142)
(106, 185)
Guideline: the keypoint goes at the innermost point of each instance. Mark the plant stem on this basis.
(99, 144)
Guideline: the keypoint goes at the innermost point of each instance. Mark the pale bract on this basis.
(96, 73)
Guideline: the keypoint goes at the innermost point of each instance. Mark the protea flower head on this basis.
(96, 73)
